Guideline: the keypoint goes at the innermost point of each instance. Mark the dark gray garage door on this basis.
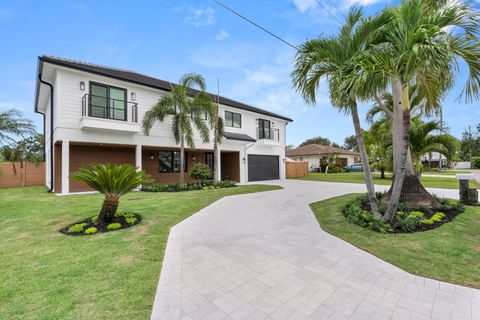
(262, 167)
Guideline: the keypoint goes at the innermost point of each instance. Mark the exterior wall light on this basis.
(152, 157)
(194, 157)
(133, 96)
(244, 160)
(82, 85)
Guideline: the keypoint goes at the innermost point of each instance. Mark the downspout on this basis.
(51, 130)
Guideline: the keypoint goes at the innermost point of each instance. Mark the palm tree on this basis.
(12, 123)
(423, 140)
(324, 58)
(418, 50)
(113, 181)
(217, 126)
(187, 107)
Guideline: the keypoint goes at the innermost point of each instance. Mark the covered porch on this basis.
(162, 163)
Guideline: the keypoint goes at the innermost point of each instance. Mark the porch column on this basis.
(219, 168)
(65, 166)
(138, 160)
(138, 157)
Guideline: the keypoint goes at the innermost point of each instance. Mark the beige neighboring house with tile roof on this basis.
(312, 153)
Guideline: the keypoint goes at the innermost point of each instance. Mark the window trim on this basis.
(125, 95)
(172, 154)
(233, 113)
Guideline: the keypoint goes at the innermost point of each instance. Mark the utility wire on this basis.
(336, 8)
(329, 12)
(256, 25)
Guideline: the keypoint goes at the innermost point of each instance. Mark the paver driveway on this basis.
(264, 256)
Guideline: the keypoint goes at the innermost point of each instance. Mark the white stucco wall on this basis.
(68, 120)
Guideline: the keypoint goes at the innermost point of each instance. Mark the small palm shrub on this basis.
(113, 181)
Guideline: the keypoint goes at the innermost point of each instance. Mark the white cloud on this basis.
(222, 35)
(349, 3)
(201, 17)
(305, 5)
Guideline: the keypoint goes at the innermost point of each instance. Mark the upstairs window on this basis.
(264, 131)
(107, 102)
(233, 119)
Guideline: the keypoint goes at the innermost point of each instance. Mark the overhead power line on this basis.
(334, 6)
(256, 25)
(273, 34)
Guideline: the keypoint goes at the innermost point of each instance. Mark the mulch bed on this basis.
(101, 227)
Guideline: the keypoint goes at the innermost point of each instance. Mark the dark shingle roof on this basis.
(318, 149)
(238, 136)
(131, 76)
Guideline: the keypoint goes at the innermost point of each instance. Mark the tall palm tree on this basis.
(217, 127)
(187, 108)
(13, 124)
(324, 58)
(113, 181)
(418, 50)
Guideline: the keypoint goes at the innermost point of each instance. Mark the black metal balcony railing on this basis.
(268, 133)
(108, 108)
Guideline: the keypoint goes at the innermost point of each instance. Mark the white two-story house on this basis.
(94, 113)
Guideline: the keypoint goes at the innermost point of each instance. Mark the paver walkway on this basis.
(264, 256)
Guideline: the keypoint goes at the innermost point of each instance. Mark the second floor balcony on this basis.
(100, 112)
(268, 136)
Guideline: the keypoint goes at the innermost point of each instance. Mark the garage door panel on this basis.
(263, 167)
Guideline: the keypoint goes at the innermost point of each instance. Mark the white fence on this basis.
(462, 165)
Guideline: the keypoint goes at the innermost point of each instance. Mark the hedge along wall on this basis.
(30, 175)
(296, 169)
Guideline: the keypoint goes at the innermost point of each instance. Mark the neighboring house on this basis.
(313, 153)
(94, 113)
(434, 160)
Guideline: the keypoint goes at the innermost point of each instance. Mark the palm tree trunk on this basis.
(109, 208)
(182, 159)
(400, 103)
(364, 157)
(406, 186)
(215, 160)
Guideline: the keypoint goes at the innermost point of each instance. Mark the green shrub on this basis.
(417, 214)
(438, 217)
(91, 230)
(354, 213)
(130, 220)
(94, 219)
(114, 226)
(177, 187)
(427, 221)
(476, 162)
(76, 228)
(200, 172)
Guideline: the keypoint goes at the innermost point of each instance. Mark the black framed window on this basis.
(170, 161)
(233, 119)
(264, 127)
(107, 102)
(209, 162)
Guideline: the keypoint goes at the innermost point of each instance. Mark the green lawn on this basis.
(449, 253)
(357, 177)
(48, 275)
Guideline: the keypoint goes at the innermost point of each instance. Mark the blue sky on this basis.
(166, 38)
